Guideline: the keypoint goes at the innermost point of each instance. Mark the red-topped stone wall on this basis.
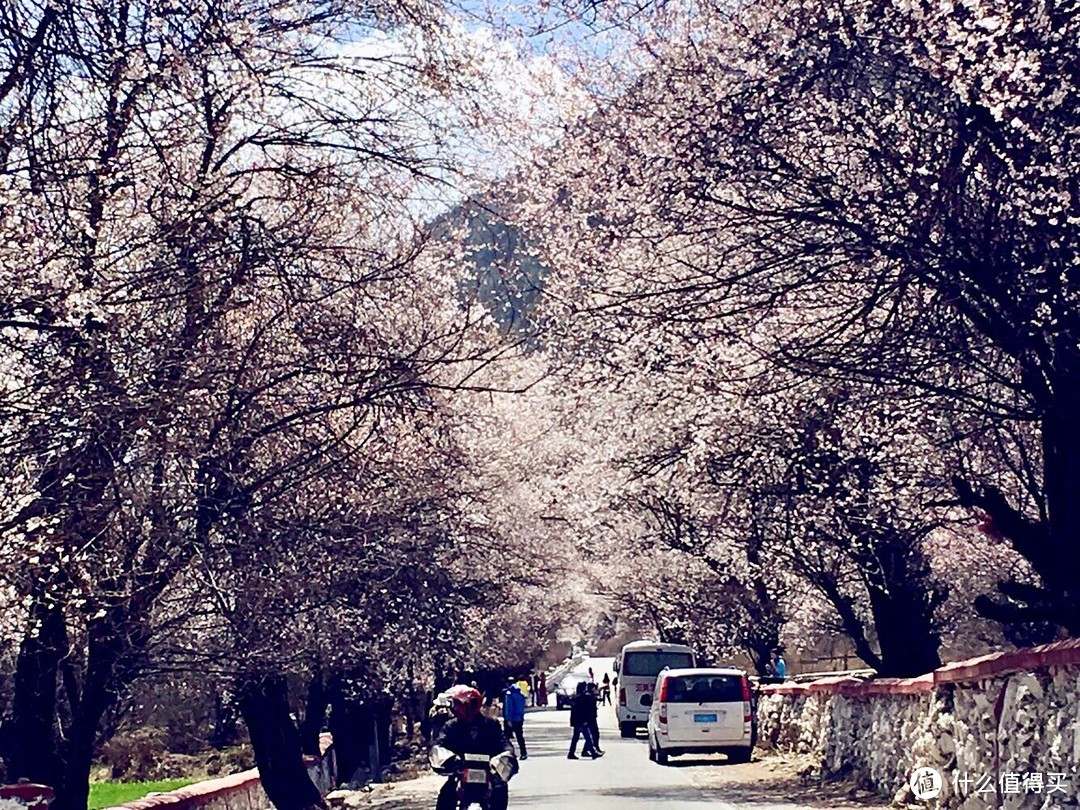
(1002, 730)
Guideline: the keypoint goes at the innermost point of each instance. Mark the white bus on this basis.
(637, 666)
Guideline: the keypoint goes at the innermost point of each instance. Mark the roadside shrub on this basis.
(134, 755)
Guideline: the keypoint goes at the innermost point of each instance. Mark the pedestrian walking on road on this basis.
(594, 725)
(514, 716)
(605, 690)
(582, 716)
(541, 690)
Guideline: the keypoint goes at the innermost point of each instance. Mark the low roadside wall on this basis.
(240, 791)
(1002, 730)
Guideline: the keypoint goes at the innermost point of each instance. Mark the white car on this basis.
(701, 711)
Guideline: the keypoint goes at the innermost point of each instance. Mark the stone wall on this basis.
(1002, 730)
(241, 791)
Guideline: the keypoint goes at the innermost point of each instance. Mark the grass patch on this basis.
(110, 794)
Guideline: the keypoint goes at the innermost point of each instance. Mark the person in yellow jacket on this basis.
(523, 685)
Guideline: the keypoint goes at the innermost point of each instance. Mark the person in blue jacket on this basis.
(514, 716)
(777, 666)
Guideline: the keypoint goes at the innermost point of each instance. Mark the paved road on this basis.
(624, 779)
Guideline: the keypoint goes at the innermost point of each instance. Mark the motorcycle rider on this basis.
(470, 732)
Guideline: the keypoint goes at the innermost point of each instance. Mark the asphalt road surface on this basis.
(623, 779)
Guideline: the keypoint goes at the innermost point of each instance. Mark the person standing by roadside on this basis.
(541, 690)
(777, 666)
(605, 690)
(526, 690)
(581, 719)
(514, 716)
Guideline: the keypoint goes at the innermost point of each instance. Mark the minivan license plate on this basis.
(704, 718)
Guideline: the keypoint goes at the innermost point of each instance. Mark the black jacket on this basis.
(583, 710)
(483, 736)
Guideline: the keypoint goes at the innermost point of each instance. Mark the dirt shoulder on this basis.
(777, 777)
(410, 794)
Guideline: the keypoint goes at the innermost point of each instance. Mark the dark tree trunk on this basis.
(764, 613)
(903, 600)
(1050, 544)
(763, 633)
(318, 699)
(384, 726)
(264, 705)
(350, 722)
(759, 653)
(425, 717)
(1061, 465)
(31, 745)
(73, 792)
(110, 655)
(850, 623)
(410, 709)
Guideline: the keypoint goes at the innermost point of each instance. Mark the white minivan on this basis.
(701, 711)
(637, 666)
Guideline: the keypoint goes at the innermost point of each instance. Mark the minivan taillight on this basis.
(622, 696)
(746, 700)
(662, 700)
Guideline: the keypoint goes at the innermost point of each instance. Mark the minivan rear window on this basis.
(705, 689)
(651, 663)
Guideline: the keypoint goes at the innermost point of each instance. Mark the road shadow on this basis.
(803, 792)
(699, 761)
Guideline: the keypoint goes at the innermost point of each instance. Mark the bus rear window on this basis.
(649, 664)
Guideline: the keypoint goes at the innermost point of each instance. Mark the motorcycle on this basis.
(475, 775)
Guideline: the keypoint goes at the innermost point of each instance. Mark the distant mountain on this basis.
(508, 277)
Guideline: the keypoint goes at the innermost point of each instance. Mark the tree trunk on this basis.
(903, 602)
(314, 714)
(109, 645)
(384, 728)
(73, 791)
(1061, 474)
(264, 705)
(425, 717)
(30, 740)
(850, 622)
(1050, 544)
(351, 724)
